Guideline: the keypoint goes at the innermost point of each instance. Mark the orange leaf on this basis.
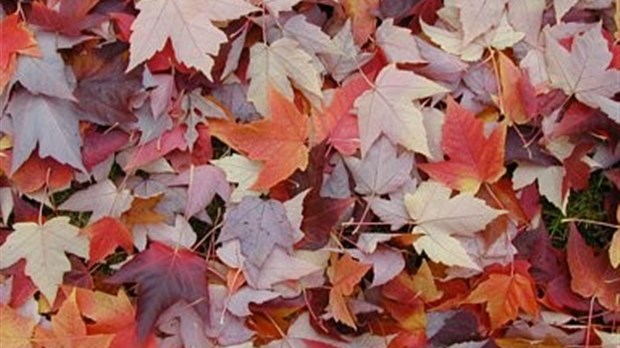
(473, 158)
(16, 38)
(344, 275)
(68, 329)
(142, 212)
(110, 314)
(517, 93)
(336, 121)
(504, 294)
(105, 236)
(362, 18)
(37, 172)
(15, 331)
(278, 142)
(591, 275)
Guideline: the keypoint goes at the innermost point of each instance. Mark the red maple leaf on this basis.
(165, 276)
(473, 158)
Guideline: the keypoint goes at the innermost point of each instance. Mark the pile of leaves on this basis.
(308, 173)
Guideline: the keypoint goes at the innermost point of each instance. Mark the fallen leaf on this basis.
(16, 331)
(591, 275)
(336, 121)
(203, 182)
(69, 330)
(272, 272)
(57, 132)
(37, 173)
(44, 247)
(363, 21)
(188, 26)
(344, 275)
(478, 16)
(169, 141)
(47, 73)
(473, 158)
(102, 199)
(517, 92)
(309, 35)
(382, 170)
(165, 276)
(259, 225)
(69, 17)
(437, 217)
(142, 212)
(106, 235)
(583, 71)
(549, 178)
(241, 171)
(104, 90)
(397, 43)
(16, 39)
(278, 142)
(388, 109)
(271, 67)
(505, 294)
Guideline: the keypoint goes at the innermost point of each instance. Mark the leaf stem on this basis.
(591, 222)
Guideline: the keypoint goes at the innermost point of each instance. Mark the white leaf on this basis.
(102, 198)
(274, 65)
(437, 217)
(44, 247)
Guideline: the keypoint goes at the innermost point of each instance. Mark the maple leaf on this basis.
(109, 314)
(56, 133)
(478, 16)
(142, 211)
(154, 149)
(388, 108)
(36, 173)
(69, 18)
(336, 120)
(242, 171)
(16, 331)
(46, 74)
(344, 274)
(591, 276)
(165, 276)
(105, 92)
(473, 158)
(278, 142)
(259, 225)
(505, 294)
(382, 170)
(69, 330)
(102, 198)
(549, 178)
(44, 247)
(397, 43)
(309, 35)
(203, 182)
(187, 24)
(437, 217)
(272, 65)
(349, 57)
(16, 39)
(500, 37)
(583, 71)
(105, 236)
(362, 18)
(271, 271)
(517, 92)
